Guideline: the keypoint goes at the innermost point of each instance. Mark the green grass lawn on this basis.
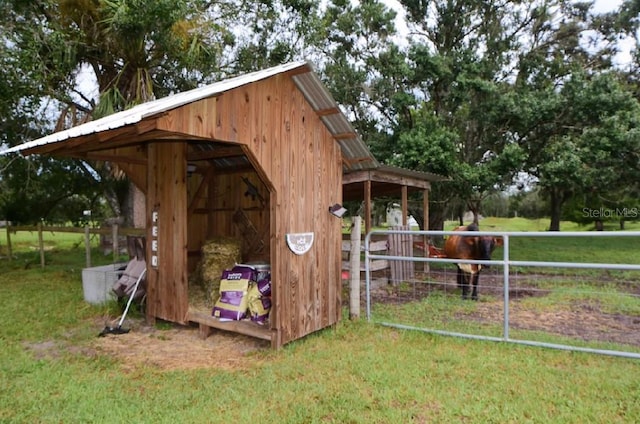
(354, 373)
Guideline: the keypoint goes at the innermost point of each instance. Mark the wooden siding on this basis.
(298, 169)
(167, 290)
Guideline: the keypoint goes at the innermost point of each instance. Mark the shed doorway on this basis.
(228, 223)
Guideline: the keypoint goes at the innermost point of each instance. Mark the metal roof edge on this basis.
(151, 108)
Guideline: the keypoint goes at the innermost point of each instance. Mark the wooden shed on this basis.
(258, 158)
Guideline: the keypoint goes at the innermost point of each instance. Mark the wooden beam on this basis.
(367, 207)
(115, 158)
(219, 152)
(346, 136)
(385, 177)
(425, 209)
(207, 322)
(128, 140)
(356, 177)
(305, 69)
(405, 203)
(136, 174)
(206, 178)
(104, 136)
(327, 112)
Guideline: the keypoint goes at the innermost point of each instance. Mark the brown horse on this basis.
(470, 247)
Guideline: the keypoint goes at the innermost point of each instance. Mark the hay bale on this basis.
(217, 255)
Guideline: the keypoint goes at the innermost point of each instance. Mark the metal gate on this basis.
(610, 289)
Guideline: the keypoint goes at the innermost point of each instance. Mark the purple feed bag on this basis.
(234, 286)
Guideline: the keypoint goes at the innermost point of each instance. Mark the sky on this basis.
(606, 5)
(600, 6)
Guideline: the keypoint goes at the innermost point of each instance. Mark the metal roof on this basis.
(356, 154)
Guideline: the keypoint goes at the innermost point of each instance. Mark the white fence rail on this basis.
(507, 264)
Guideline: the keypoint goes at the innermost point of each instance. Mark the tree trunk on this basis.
(599, 225)
(556, 211)
(436, 219)
(112, 199)
(474, 208)
(127, 206)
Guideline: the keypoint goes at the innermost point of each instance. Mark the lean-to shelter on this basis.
(259, 158)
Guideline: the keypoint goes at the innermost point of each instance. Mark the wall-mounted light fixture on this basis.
(337, 210)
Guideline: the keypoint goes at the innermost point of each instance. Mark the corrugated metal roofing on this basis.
(355, 152)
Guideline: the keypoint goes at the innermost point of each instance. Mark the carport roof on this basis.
(356, 154)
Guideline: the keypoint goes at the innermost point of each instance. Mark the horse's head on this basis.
(486, 245)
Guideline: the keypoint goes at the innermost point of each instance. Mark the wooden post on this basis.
(87, 245)
(425, 219)
(41, 244)
(405, 205)
(9, 252)
(354, 267)
(367, 206)
(114, 240)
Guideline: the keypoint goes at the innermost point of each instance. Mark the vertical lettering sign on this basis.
(154, 239)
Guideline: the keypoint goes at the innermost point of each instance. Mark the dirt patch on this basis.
(578, 319)
(180, 347)
(47, 349)
(581, 321)
(170, 347)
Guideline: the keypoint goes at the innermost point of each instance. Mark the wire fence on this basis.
(579, 306)
(115, 232)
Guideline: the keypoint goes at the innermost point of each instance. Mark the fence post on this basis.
(9, 252)
(114, 240)
(87, 245)
(354, 266)
(41, 244)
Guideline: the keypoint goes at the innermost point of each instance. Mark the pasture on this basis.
(55, 369)
(587, 308)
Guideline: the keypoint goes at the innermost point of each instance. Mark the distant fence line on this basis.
(115, 231)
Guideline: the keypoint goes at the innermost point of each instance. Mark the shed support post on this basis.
(354, 266)
(425, 219)
(87, 246)
(41, 244)
(115, 242)
(367, 207)
(9, 252)
(405, 207)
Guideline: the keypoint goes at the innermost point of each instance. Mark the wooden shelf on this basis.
(248, 328)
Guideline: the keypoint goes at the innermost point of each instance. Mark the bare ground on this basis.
(581, 320)
(181, 347)
(172, 348)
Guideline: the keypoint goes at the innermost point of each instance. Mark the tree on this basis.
(136, 50)
(458, 64)
(584, 140)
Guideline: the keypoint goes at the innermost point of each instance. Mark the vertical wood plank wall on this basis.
(299, 163)
(167, 290)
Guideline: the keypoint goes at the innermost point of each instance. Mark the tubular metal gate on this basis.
(507, 264)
